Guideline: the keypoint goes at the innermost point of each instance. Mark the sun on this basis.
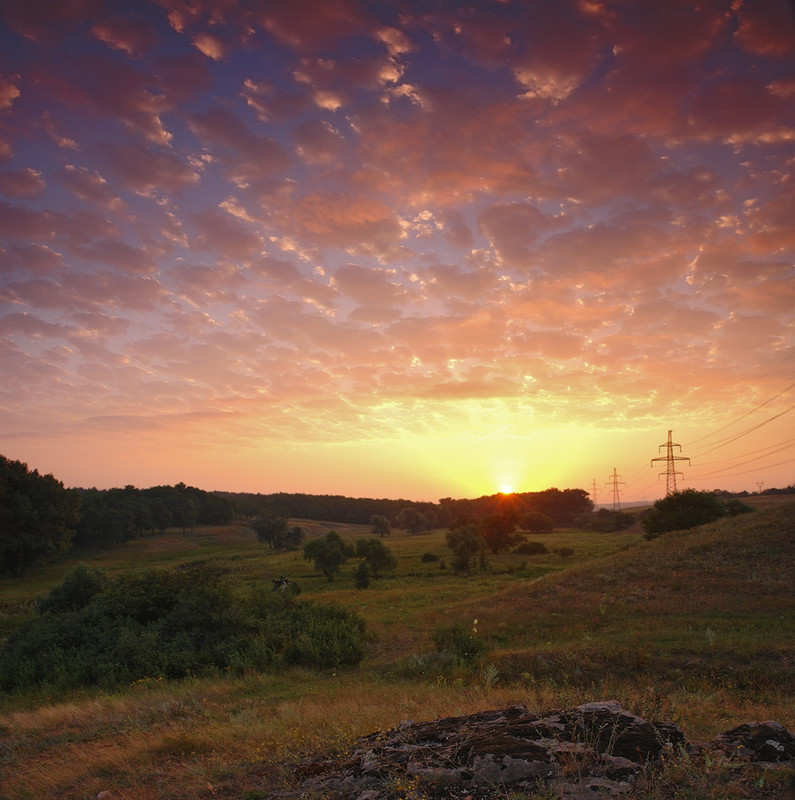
(506, 488)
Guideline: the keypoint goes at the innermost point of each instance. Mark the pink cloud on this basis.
(249, 156)
(8, 92)
(90, 186)
(512, 229)
(22, 223)
(131, 35)
(271, 102)
(42, 21)
(26, 182)
(312, 24)
(35, 258)
(350, 222)
(211, 46)
(147, 171)
(318, 142)
(766, 28)
(369, 286)
(227, 235)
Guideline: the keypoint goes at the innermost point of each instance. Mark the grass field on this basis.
(695, 626)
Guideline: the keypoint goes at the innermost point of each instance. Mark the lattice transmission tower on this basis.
(593, 493)
(614, 482)
(670, 464)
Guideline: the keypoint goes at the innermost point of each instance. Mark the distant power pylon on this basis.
(614, 482)
(593, 493)
(670, 464)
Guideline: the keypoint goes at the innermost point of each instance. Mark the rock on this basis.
(759, 742)
(593, 750)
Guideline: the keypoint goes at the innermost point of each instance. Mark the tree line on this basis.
(41, 519)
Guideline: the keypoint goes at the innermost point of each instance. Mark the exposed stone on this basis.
(760, 742)
(593, 750)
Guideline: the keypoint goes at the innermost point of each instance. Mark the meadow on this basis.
(694, 626)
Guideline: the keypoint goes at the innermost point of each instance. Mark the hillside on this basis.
(713, 603)
(694, 627)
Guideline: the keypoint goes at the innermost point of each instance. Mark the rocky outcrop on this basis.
(593, 750)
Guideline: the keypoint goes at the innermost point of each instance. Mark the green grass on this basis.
(695, 626)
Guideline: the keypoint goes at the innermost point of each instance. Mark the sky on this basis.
(399, 249)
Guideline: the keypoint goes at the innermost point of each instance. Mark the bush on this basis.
(289, 633)
(461, 645)
(79, 587)
(734, 507)
(683, 510)
(94, 631)
(531, 549)
(428, 558)
(564, 552)
(361, 576)
(606, 521)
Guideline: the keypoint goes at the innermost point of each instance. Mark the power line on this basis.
(745, 472)
(753, 428)
(743, 416)
(757, 454)
(749, 461)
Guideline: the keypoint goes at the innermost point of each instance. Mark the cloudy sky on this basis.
(398, 248)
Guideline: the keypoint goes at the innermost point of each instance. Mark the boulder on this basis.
(594, 750)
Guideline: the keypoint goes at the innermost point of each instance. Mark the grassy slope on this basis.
(694, 626)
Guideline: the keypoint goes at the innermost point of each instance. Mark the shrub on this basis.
(93, 631)
(683, 510)
(80, 585)
(428, 558)
(564, 552)
(361, 576)
(461, 645)
(735, 506)
(531, 549)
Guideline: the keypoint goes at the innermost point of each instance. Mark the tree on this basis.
(270, 528)
(38, 517)
(378, 556)
(411, 520)
(536, 522)
(497, 531)
(683, 510)
(381, 525)
(466, 543)
(328, 554)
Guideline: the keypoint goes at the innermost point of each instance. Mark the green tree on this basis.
(466, 543)
(270, 528)
(376, 554)
(497, 531)
(381, 525)
(38, 517)
(683, 510)
(411, 520)
(328, 554)
(536, 522)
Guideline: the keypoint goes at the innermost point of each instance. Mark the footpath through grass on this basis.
(694, 626)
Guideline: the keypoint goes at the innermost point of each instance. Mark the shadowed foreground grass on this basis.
(695, 627)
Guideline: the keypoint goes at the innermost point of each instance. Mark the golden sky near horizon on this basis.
(398, 249)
